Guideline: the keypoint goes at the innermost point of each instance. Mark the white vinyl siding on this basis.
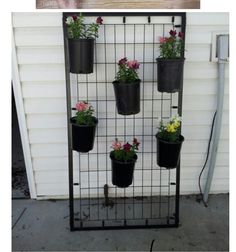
(40, 55)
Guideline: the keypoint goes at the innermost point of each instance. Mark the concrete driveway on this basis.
(44, 226)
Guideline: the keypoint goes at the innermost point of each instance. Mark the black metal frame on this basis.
(170, 220)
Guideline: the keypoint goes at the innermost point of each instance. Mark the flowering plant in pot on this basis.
(127, 87)
(81, 43)
(170, 63)
(123, 158)
(83, 127)
(169, 142)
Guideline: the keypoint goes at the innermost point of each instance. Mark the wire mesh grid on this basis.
(153, 198)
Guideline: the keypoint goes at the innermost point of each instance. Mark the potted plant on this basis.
(123, 158)
(83, 127)
(81, 43)
(169, 142)
(170, 63)
(127, 87)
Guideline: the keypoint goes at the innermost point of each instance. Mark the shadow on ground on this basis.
(44, 226)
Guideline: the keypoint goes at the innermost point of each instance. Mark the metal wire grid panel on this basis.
(153, 198)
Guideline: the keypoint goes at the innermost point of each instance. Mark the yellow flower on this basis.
(170, 128)
(176, 124)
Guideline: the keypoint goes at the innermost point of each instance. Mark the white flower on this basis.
(176, 118)
(159, 121)
(69, 20)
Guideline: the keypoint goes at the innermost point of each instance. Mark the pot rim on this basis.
(81, 39)
(178, 142)
(171, 60)
(126, 83)
(122, 162)
(82, 126)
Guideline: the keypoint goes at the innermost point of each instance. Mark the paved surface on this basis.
(43, 226)
(117, 4)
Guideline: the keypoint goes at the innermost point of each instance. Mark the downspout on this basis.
(222, 54)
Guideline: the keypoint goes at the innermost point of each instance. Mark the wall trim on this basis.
(22, 121)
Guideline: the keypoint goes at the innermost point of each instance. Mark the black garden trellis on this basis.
(153, 198)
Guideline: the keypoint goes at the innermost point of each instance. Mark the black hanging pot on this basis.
(170, 74)
(127, 97)
(168, 153)
(122, 172)
(81, 52)
(83, 135)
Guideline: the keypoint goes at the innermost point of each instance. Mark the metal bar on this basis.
(163, 34)
(137, 203)
(88, 159)
(180, 103)
(103, 153)
(144, 36)
(85, 188)
(113, 63)
(152, 133)
(128, 43)
(146, 117)
(115, 113)
(112, 100)
(106, 102)
(106, 82)
(128, 14)
(124, 22)
(68, 103)
(169, 171)
(102, 170)
(78, 155)
(125, 227)
(128, 219)
(134, 123)
(97, 109)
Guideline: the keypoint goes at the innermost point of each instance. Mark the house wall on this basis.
(38, 40)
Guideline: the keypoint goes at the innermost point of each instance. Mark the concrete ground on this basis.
(44, 226)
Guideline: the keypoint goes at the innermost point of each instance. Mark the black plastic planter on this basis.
(81, 52)
(170, 74)
(168, 153)
(127, 97)
(83, 136)
(122, 172)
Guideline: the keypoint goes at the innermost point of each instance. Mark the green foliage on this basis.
(122, 155)
(84, 115)
(77, 29)
(125, 152)
(126, 74)
(127, 71)
(172, 47)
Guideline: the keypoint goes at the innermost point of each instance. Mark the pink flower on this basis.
(122, 61)
(127, 146)
(162, 40)
(173, 33)
(133, 64)
(81, 106)
(181, 35)
(99, 20)
(116, 145)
